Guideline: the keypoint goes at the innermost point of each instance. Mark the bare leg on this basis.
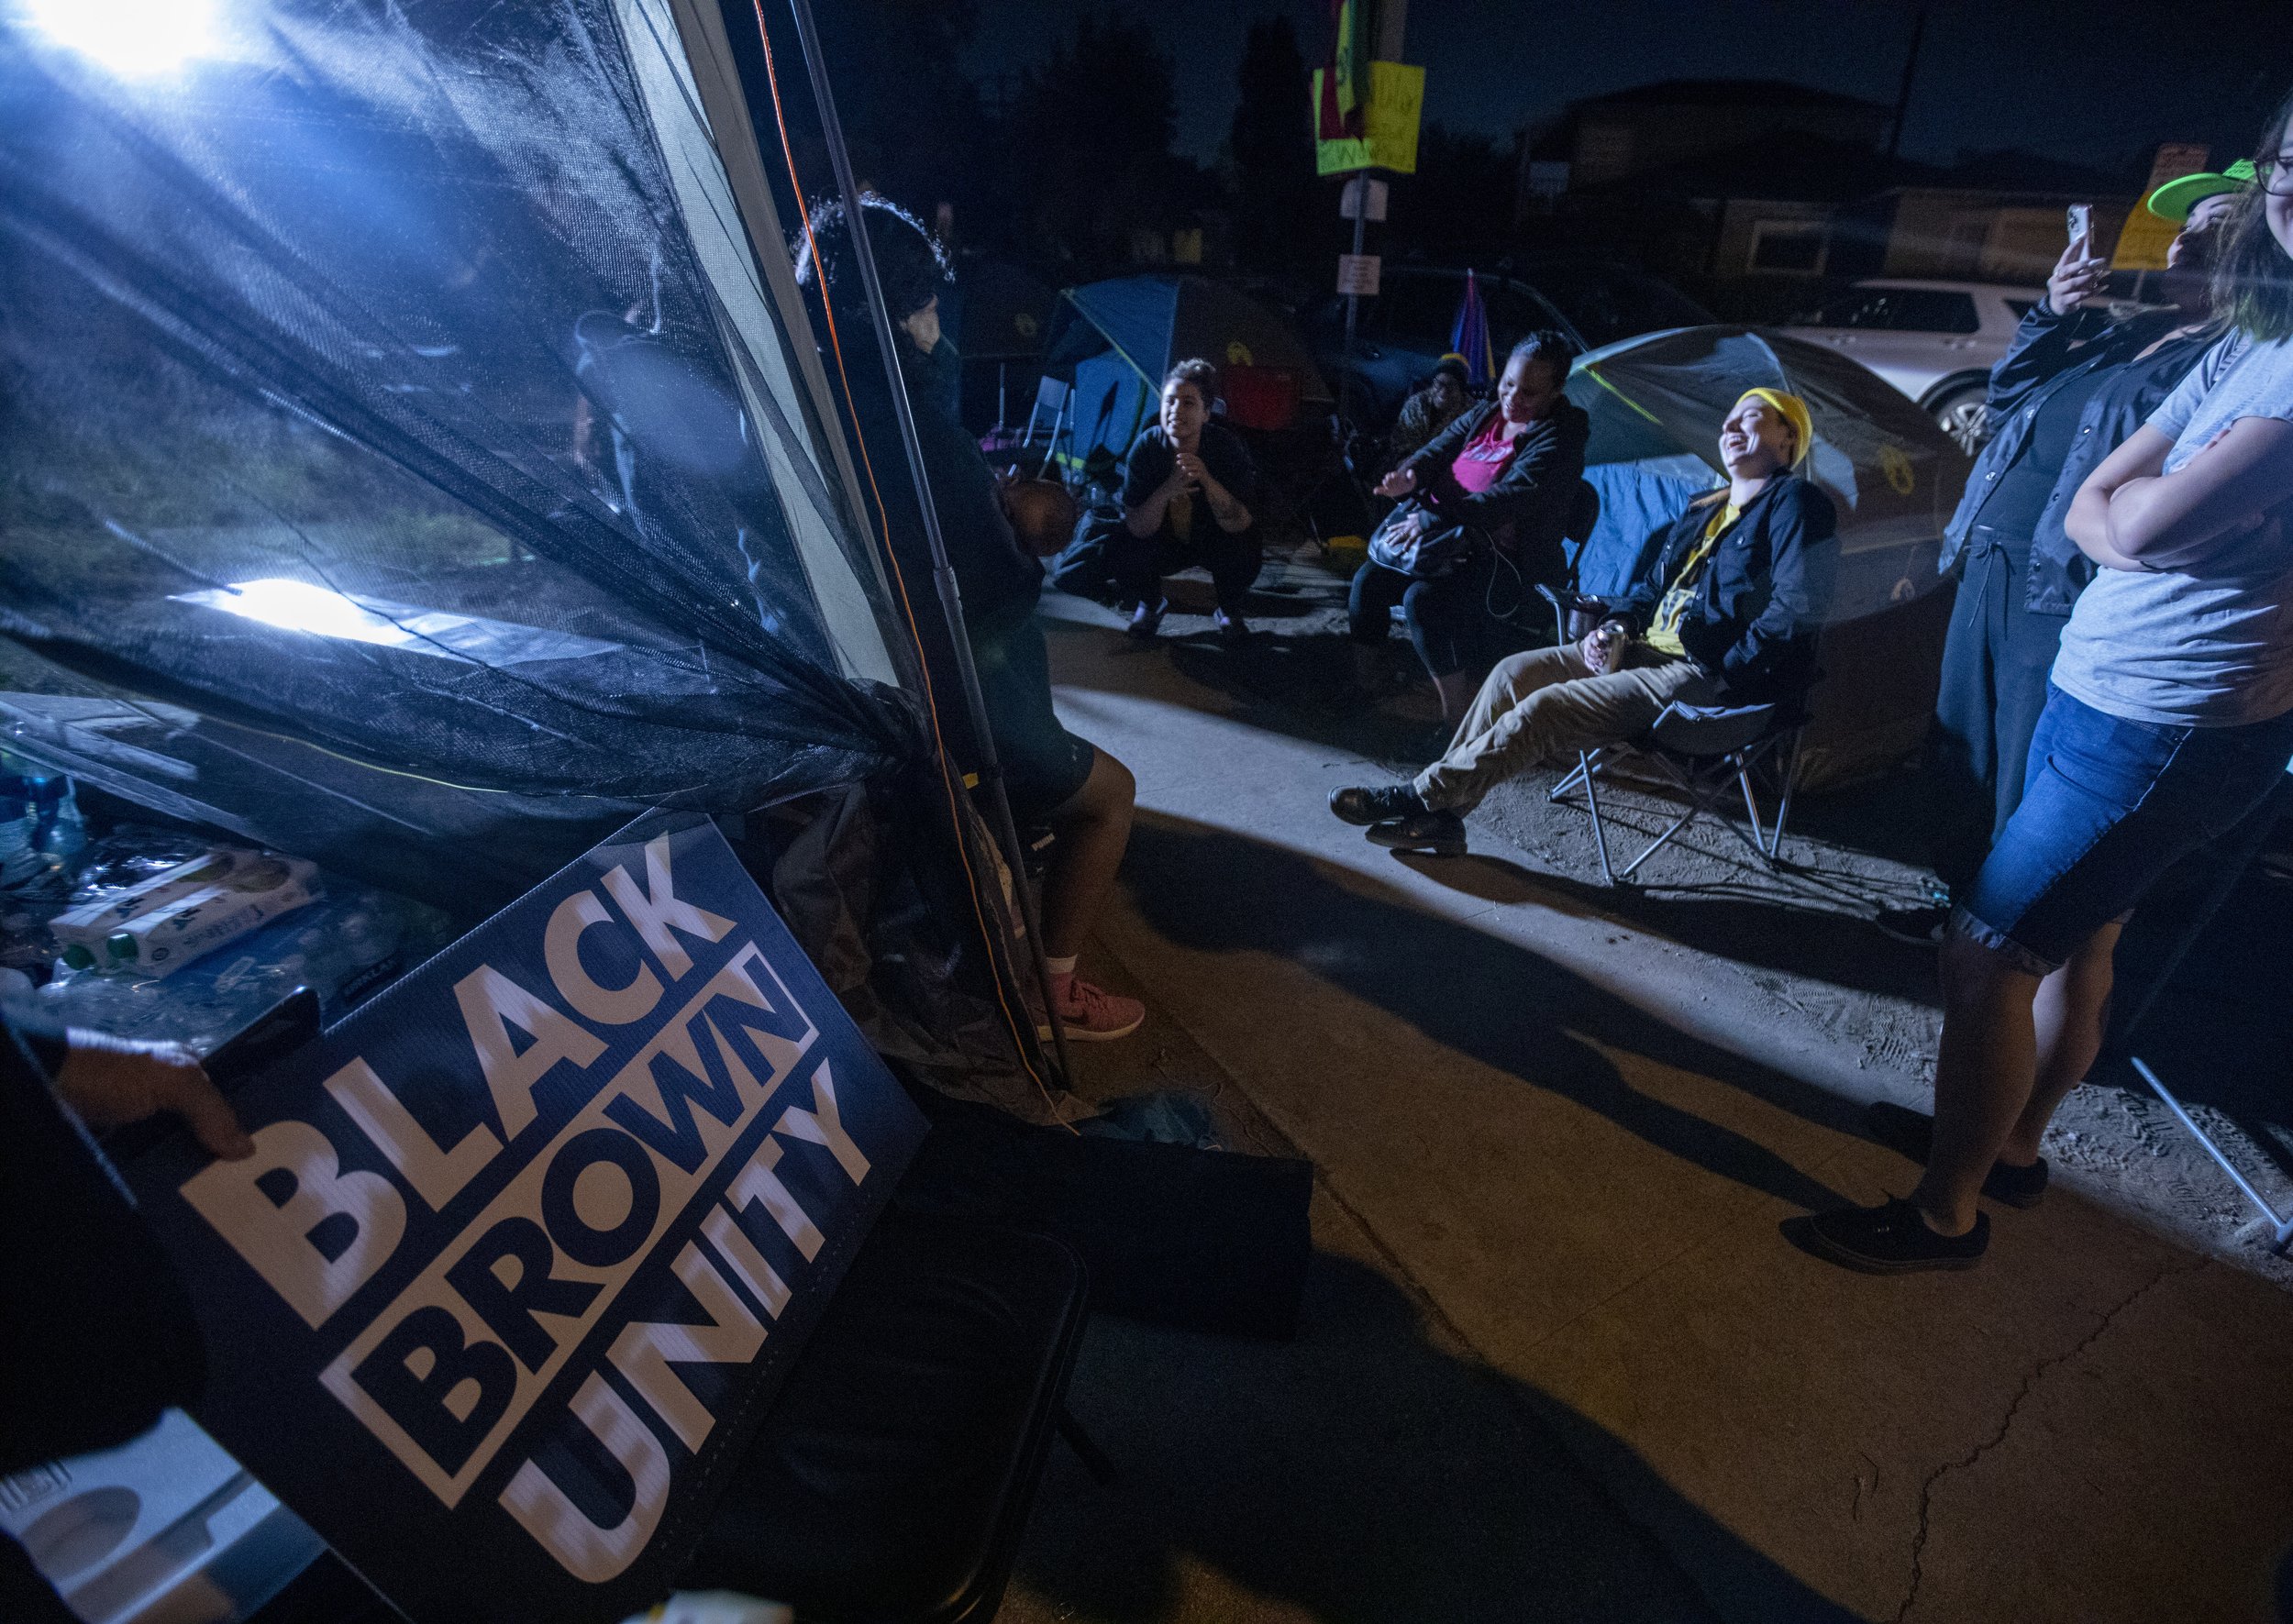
(1983, 1076)
(2070, 1013)
(1093, 826)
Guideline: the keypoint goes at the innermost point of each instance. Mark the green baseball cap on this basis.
(2173, 200)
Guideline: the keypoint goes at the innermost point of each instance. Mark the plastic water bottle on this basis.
(61, 833)
(19, 857)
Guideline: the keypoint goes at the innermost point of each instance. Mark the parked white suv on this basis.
(1936, 341)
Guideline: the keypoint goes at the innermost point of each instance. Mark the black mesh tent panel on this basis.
(411, 457)
(345, 368)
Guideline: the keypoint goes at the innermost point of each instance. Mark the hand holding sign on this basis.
(110, 1081)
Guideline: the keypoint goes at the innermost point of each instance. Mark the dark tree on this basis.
(1088, 148)
(1272, 145)
(1457, 208)
(914, 120)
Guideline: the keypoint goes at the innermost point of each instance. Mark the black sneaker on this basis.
(1366, 806)
(1893, 1238)
(1921, 927)
(1911, 1134)
(1440, 833)
(1146, 619)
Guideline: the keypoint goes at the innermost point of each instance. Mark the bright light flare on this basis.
(298, 606)
(133, 39)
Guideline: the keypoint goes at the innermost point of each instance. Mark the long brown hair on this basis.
(2253, 275)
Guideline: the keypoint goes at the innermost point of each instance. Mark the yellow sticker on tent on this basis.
(1238, 353)
(1900, 477)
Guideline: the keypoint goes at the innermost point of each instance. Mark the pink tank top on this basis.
(1482, 462)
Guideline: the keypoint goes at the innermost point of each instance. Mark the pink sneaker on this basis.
(1091, 1013)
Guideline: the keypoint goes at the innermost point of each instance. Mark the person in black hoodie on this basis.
(1053, 778)
(1727, 613)
(1507, 473)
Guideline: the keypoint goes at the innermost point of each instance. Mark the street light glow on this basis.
(133, 39)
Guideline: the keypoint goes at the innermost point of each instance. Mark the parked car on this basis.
(1936, 341)
(1405, 330)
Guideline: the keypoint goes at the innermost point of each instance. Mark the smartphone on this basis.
(2081, 223)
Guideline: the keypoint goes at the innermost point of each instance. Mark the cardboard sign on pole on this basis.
(1357, 275)
(1350, 198)
(1390, 124)
(529, 1240)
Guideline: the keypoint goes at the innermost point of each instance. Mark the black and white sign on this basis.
(529, 1241)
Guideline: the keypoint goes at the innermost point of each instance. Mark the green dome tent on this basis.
(1656, 403)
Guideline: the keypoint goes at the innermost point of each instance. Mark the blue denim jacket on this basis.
(2048, 351)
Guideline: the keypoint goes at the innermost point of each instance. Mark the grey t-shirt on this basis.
(2209, 644)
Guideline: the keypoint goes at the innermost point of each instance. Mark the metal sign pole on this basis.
(943, 572)
(1360, 180)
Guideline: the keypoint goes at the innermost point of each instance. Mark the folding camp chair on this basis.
(1053, 401)
(1702, 750)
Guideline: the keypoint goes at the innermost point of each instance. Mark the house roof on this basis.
(1725, 92)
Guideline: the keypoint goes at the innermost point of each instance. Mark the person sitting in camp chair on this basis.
(1187, 493)
(1726, 614)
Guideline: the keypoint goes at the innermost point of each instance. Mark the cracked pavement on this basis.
(1572, 1134)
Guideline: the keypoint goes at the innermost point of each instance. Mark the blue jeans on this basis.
(2109, 806)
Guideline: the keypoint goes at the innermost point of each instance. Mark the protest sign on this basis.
(529, 1240)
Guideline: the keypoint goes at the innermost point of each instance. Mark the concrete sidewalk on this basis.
(1569, 1141)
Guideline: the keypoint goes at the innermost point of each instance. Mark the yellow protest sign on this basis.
(1390, 124)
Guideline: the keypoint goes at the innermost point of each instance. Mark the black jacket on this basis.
(1526, 510)
(2049, 351)
(1152, 456)
(1761, 603)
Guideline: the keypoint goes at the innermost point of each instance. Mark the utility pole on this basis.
(1903, 91)
(1392, 23)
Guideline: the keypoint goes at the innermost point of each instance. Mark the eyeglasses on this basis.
(2275, 176)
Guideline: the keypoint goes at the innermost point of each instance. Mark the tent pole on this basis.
(943, 572)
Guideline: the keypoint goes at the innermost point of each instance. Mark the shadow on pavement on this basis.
(1756, 923)
(1471, 992)
(1364, 1476)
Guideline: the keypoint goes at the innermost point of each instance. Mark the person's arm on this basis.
(1537, 485)
(2130, 515)
(1802, 559)
(1229, 481)
(1148, 486)
(2045, 339)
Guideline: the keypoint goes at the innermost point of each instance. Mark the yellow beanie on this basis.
(1794, 412)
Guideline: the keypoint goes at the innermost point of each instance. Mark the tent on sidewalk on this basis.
(1120, 337)
(414, 456)
(1656, 404)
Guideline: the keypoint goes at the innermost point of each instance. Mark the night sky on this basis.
(2097, 83)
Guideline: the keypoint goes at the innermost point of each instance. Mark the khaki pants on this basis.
(1547, 703)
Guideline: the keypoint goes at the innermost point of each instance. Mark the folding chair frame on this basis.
(1704, 780)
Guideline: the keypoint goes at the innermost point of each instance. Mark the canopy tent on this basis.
(1657, 402)
(413, 454)
(1120, 337)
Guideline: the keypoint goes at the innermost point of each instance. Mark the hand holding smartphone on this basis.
(2081, 224)
(2079, 277)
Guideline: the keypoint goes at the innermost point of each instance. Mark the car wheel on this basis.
(1963, 416)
